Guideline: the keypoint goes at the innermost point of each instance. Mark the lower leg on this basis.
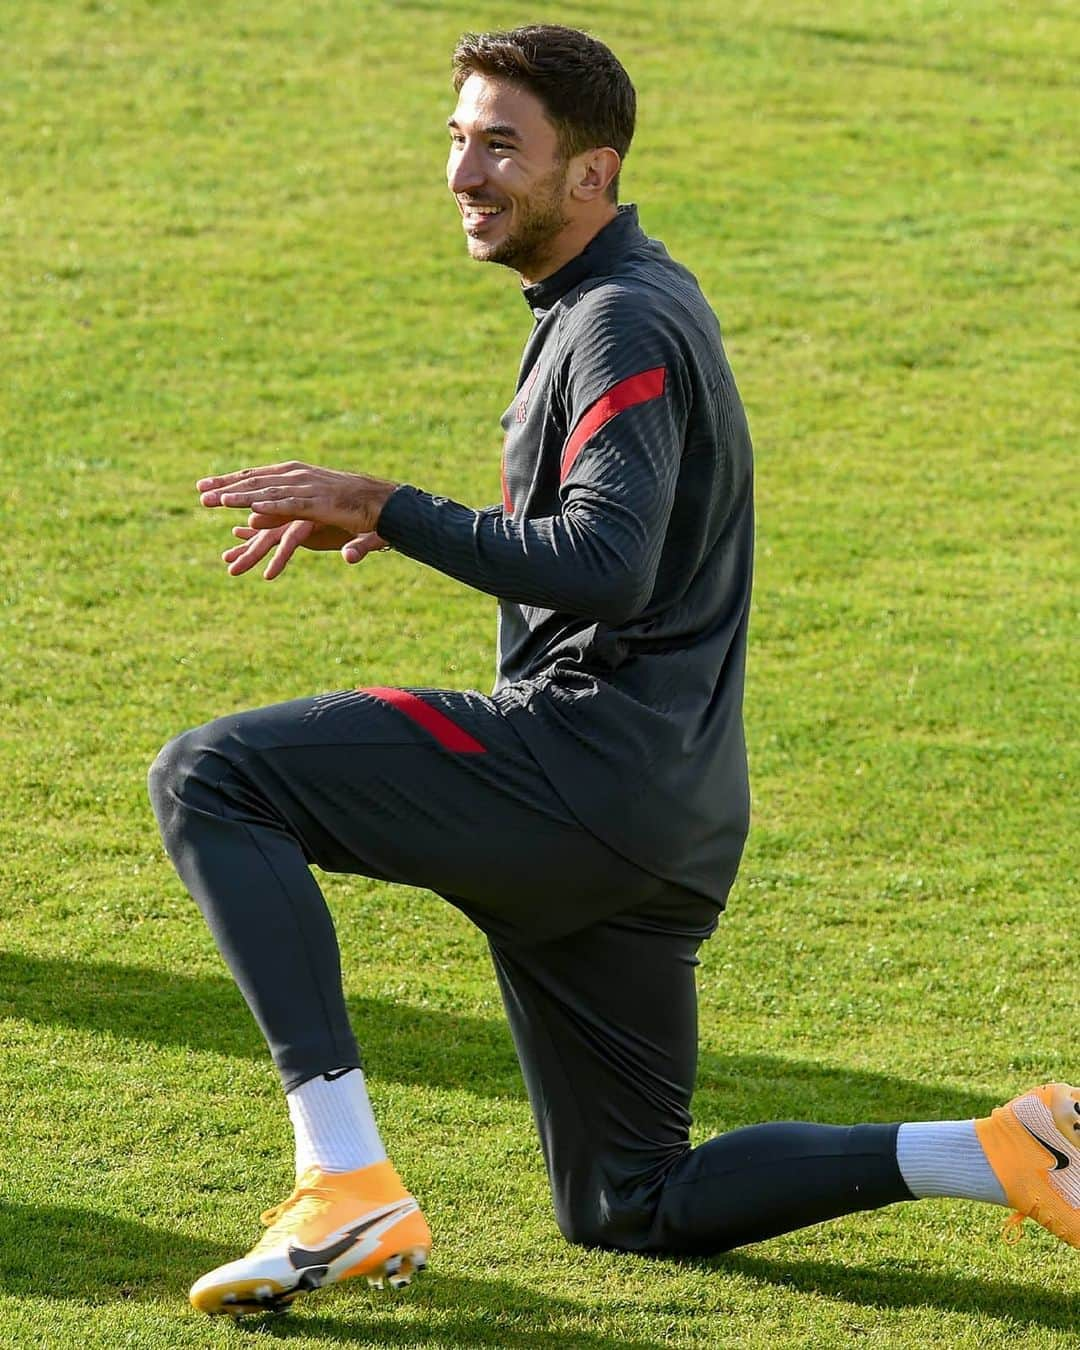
(250, 879)
(1025, 1154)
(779, 1177)
(762, 1180)
(270, 921)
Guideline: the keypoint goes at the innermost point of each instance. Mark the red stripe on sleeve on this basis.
(641, 388)
(446, 732)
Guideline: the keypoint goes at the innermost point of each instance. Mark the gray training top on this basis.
(621, 556)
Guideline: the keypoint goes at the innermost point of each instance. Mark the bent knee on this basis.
(591, 1217)
(164, 772)
(182, 763)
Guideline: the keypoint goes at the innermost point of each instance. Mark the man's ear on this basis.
(592, 172)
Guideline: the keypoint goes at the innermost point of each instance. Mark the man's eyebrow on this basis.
(503, 129)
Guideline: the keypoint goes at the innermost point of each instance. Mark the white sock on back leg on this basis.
(334, 1124)
(945, 1158)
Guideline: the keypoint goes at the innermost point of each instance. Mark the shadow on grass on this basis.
(406, 1044)
(463, 1312)
(59, 1252)
(741, 1089)
(401, 1043)
(891, 1286)
(100, 1259)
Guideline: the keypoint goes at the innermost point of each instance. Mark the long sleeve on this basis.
(616, 401)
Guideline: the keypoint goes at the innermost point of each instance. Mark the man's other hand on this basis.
(297, 505)
(284, 540)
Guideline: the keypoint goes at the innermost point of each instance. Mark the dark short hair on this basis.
(585, 92)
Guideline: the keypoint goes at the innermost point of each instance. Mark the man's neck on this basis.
(571, 241)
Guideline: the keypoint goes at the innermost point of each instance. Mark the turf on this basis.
(223, 238)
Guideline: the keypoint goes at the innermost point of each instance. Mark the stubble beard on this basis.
(527, 248)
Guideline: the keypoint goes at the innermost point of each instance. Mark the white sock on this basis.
(944, 1157)
(333, 1122)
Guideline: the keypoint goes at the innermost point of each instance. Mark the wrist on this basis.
(381, 494)
(363, 502)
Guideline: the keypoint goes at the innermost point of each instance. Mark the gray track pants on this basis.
(595, 958)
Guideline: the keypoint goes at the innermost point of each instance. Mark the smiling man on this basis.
(510, 166)
(590, 814)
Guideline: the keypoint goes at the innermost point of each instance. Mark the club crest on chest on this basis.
(521, 410)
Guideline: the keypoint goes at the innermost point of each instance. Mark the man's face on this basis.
(506, 175)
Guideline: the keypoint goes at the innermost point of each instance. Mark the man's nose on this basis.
(464, 171)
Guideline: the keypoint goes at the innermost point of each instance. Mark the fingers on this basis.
(281, 540)
(222, 480)
(291, 538)
(262, 521)
(245, 533)
(278, 502)
(252, 528)
(284, 539)
(245, 493)
(279, 499)
(356, 550)
(348, 501)
(244, 485)
(242, 558)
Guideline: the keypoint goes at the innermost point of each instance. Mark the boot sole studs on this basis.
(398, 1271)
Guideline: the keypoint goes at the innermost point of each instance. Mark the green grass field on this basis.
(225, 237)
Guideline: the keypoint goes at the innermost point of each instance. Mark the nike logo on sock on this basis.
(301, 1257)
(1060, 1160)
(332, 1075)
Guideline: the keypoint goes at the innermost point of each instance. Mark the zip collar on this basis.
(598, 258)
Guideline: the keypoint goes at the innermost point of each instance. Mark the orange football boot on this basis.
(334, 1226)
(1033, 1146)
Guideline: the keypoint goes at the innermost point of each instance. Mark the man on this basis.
(589, 816)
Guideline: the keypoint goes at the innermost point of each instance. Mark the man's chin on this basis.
(526, 254)
(479, 249)
(495, 251)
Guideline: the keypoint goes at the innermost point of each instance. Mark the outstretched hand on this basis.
(295, 505)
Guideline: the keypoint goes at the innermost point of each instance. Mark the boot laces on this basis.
(1013, 1229)
(304, 1203)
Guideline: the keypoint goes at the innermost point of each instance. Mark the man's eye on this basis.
(500, 145)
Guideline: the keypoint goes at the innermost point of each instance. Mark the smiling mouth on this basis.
(478, 215)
